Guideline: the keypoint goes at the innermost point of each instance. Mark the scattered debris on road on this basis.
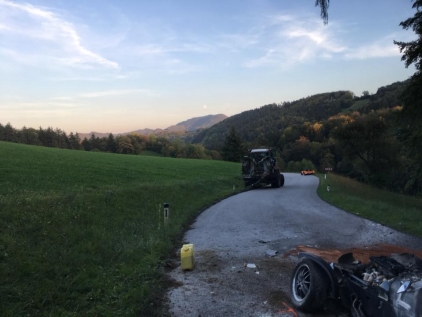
(271, 253)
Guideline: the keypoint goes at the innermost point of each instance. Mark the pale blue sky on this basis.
(118, 66)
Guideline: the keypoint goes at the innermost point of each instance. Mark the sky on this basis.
(122, 65)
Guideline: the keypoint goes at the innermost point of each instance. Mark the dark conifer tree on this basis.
(111, 144)
(74, 141)
(233, 149)
(86, 145)
(9, 133)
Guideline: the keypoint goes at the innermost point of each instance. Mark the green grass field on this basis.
(82, 234)
(396, 211)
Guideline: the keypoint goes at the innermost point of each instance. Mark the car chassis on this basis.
(386, 286)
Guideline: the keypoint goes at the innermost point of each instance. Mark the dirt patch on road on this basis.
(210, 261)
(362, 254)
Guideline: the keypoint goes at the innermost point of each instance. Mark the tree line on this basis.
(122, 144)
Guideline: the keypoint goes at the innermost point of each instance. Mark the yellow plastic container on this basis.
(186, 256)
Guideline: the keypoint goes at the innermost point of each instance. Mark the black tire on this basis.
(308, 286)
(276, 182)
(281, 180)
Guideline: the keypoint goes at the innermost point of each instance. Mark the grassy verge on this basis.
(79, 231)
(400, 212)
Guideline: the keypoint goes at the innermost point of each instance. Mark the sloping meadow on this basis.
(401, 212)
(82, 234)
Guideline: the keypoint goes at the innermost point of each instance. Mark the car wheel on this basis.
(276, 182)
(308, 286)
(281, 180)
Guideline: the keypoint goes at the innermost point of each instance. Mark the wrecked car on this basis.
(260, 167)
(388, 286)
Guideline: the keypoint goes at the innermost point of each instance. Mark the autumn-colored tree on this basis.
(366, 143)
(124, 145)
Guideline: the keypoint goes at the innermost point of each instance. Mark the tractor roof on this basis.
(259, 150)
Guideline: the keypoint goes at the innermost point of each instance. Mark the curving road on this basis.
(241, 229)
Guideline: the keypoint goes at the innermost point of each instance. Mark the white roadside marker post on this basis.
(166, 213)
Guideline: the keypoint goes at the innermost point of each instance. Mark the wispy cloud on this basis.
(162, 49)
(67, 100)
(40, 24)
(40, 110)
(286, 40)
(270, 58)
(290, 40)
(61, 98)
(237, 42)
(45, 105)
(115, 93)
(95, 78)
(149, 49)
(381, 48)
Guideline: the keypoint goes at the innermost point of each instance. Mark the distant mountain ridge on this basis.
(197, 123)
(189, 125)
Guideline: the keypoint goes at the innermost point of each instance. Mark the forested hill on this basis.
(197, 123)
(355, 136)
(264, 125)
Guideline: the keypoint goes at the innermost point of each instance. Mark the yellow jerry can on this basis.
(186, 255)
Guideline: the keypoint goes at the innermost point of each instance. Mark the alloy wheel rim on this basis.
(302, 283)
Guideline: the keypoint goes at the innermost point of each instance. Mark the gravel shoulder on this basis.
(241, 230)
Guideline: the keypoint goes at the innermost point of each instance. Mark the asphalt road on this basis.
(241, 230)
